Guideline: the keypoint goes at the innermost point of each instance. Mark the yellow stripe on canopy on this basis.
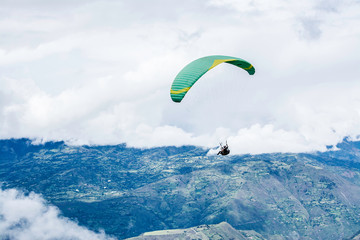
(218, 61)
(179, 91)
(248, 67)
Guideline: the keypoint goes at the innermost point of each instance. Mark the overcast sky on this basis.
(99, 72)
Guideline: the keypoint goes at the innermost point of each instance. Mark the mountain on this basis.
(207, 232)
(129, 191)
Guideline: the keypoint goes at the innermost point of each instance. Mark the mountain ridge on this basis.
(129, 191)
(222, 230)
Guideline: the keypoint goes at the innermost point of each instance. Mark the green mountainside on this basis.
(128, 191)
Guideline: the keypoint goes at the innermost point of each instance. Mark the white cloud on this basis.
(99, 72)
(265, 139)
(30, 217)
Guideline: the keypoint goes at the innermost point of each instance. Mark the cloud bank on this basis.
(30, 217)
(99, 72)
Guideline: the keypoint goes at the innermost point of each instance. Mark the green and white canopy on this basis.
(194, 70)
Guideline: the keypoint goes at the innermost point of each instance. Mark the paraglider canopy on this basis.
(194, 70)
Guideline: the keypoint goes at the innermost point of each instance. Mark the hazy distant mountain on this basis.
(222, 231)
(128, 191)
